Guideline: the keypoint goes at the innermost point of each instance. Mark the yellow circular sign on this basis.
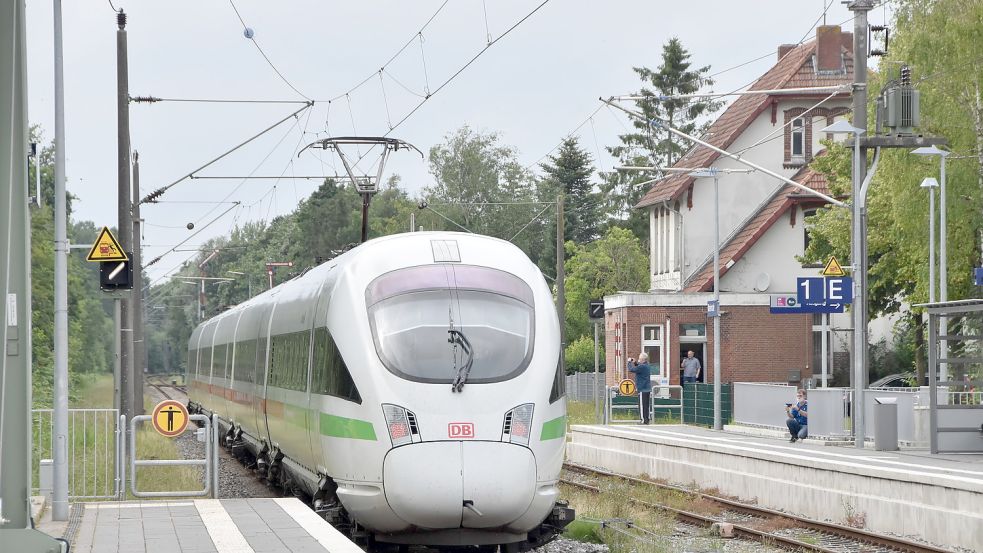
(170, 418)
(627, 387)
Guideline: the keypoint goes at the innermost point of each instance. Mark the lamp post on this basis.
(859, 284)
(931, 184)
(934, 150)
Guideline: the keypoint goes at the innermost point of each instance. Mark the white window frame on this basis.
(801, 131)
(660, 343)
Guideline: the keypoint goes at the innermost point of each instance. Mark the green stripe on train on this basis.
(340, 427)
(556, 428)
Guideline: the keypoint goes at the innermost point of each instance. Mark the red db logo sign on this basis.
(460, 430)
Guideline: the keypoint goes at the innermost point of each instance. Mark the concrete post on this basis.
(138, 316)
(125, 224)
(59, 504)
(859, 261)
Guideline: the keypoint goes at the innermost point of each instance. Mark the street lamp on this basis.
(933, 150)
(859, 283)
(931, 184)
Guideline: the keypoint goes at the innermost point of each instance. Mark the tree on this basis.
(568, 173)
(579, 355)
(614, 263)
(481, 187)
(652, 145)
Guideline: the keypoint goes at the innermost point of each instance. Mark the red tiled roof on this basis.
(795, 70)
(753, 230)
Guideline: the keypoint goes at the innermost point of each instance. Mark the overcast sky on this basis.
(534, 86)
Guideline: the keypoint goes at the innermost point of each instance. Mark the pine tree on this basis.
(569, 173)
(652, 145)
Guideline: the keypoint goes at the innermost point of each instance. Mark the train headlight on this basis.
(401, 424)
(518, 424)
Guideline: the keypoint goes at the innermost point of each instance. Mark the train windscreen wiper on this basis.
(457, 337)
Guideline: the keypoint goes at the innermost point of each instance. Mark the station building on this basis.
(762, 233)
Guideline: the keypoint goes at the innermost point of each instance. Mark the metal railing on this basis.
(210, 462)
(675, 392)
(93, 449)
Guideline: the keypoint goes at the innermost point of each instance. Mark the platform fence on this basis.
(92, 453)
(580, 386)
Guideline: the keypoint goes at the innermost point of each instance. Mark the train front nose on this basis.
(429, 484)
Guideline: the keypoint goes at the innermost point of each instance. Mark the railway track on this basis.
(798, 533)
(176, 392)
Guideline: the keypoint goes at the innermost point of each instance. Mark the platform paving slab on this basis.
(258, 525)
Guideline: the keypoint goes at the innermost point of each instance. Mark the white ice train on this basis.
(409, 387)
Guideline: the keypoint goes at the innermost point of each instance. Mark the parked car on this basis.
(899, 380)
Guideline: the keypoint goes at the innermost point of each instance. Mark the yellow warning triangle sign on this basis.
(106, 248)
(833, 268)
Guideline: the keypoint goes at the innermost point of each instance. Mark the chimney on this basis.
(784, 49)
(828, 43)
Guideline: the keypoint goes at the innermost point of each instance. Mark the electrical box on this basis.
(901, 110)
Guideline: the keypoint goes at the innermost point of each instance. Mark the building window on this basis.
(798, 139)
(692, 330)
(652, 345)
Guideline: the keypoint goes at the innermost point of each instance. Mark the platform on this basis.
(938, 498)
(207, 526)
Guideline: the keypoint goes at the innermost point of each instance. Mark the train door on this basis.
(315, 400)
(236, 392)
(213, 398)
(263, 372)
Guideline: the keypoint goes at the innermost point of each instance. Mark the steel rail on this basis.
(857, 534)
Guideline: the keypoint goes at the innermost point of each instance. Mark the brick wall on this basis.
(758, 346)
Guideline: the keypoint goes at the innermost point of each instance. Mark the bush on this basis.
(580, 355)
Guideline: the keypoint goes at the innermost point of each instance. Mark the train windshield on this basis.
(432, 323)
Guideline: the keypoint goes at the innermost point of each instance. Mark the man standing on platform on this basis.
(691, 367)
(643, 382)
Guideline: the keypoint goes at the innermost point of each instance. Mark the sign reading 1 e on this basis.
(824, 291)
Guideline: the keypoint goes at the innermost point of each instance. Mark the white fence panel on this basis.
(828, 412)
(906, 412)
(762, 404)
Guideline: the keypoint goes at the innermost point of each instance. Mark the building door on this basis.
(699, 350)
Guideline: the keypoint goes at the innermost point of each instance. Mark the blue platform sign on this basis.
(815, 295)
(978, 274)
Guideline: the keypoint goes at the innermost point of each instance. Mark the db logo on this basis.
(463, 430)
(787, 301)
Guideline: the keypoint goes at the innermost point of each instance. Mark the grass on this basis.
(582, 412)
(90, 454)
(612, 503)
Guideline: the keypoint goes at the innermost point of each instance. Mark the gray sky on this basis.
(533, 86)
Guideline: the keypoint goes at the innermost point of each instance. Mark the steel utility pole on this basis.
(125, 224)
(561, 297)
(859, 262)
(16, 527)
(15, 248)
(59, 504)
(139, 345)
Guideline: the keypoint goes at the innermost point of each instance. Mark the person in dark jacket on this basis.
(798, 417)
(643, 383)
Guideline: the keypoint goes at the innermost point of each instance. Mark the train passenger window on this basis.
(411, 312)
(205, 362)
(331, 375)
(289, 361)
(245, 361)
